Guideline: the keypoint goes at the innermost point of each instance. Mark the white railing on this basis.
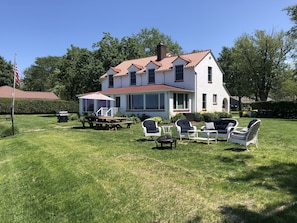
(104, 111)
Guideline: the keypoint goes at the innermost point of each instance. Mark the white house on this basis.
(164, 85)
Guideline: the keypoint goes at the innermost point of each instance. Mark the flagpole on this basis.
(13, 95)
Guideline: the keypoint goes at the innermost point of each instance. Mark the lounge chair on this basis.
(150, 128)
(247, 135)
(182, 127)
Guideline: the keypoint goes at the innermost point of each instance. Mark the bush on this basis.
(198, 117)
(210, 116)
(177, 116)
(157, 119)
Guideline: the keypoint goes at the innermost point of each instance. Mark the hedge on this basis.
(36, 106)
(281, 109)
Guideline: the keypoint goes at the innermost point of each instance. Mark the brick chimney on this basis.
(161, 51)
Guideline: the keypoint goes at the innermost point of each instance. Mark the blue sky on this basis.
(41, 28)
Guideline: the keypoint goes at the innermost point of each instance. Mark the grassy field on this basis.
(59, 172)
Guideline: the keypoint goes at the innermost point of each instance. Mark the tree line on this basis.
(259, 65)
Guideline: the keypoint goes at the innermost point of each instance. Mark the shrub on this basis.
(73, 117)
(157, 119)
(177, 116)
(198, 117)
(209, 116)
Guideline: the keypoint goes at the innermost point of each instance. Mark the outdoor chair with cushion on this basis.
(150, 128)
(183, 126)
(247, 135)
(224, 126)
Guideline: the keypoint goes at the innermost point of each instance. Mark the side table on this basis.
(167, 129)
(196, 135)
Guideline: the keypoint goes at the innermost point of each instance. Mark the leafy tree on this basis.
(109, 51)
(287, 89)
(78, 73)
(150, 38)
(292, 12)
(6, 72)
(41, 76)
(235, 78)
(263, 57)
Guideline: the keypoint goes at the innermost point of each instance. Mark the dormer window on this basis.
(179, 73)
(151, 76)
(133, 78)
(110, 81)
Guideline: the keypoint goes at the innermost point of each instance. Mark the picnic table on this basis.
(106, 122)
(109, 122)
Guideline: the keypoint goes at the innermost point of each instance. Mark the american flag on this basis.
(16, 75)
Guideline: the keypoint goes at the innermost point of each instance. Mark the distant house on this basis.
(164, 85)
(245, 102)
(6, 92)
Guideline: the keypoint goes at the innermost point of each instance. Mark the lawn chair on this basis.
(247, 135)
(182, 127)
(151, 128)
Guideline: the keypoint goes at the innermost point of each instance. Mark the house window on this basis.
(179, 73)
(133, 78)
(151, 76)
(180, 101)
(110, 81)
(215, 99)
(146, 101)
(154, 101)
(204, 101)
(118, 102)
(135, 101)
(209, 75)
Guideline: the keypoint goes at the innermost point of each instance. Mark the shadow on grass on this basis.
(237, 149)
(277, 177)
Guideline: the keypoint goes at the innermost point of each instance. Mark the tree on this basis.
(42, 75)
(263, 59)
(292, 12)
(109, 51)
(150, 38)
(6, 72)
(79, 72)
(235, 78)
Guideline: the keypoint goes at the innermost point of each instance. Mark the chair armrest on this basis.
(202, 128)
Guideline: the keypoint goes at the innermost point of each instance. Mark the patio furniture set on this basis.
(224, 128)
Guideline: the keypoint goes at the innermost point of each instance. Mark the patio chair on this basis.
(150, 128)
(247, 135)
(182, 127)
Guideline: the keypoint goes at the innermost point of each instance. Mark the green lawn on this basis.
(59, 172)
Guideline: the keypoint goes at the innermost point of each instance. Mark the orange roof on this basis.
(192, 60)
(6, 92)
(145, 88)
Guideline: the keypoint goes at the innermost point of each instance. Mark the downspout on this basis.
(195, 93)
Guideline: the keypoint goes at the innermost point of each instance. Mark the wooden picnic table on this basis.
(106, 122)
(109, 122)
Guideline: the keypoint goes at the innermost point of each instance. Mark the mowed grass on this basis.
(59, 172)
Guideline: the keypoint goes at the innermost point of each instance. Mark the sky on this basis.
(41, 28)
